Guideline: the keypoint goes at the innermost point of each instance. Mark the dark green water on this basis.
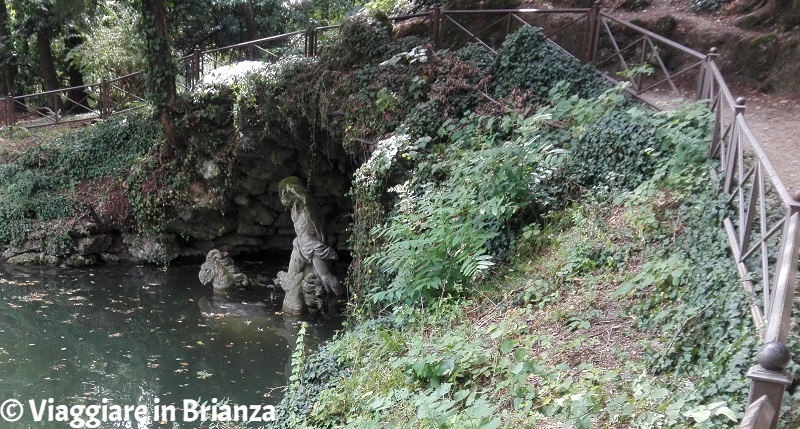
(132, 335)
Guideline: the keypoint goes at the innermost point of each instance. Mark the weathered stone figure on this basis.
(219, 270)
(308, 276)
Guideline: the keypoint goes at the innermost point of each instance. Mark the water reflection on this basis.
(132, 334)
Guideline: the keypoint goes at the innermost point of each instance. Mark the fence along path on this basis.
(765, 219)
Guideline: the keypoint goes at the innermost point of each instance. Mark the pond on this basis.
(141, 335)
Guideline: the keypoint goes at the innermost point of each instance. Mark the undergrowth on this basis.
(40, 187)
(618, 310)
(563, 268)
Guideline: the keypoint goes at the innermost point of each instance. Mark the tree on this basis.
(161, 70)
(114, 46)
(49, 21)
(44, 35)
(78, 95)
(8, 63)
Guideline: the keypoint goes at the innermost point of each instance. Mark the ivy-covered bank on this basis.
(530, 247)
(549, 254)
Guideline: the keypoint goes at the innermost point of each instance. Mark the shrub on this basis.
(439, 238)
(527, 61)
(362, 39)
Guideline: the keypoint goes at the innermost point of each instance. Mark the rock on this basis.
(94, 244)
(159, 249)
(241, 242)
(209, 170)
(109, 258)
(219, 270)
(256, 213)
(271, 200)
(81, 260)
(35, 259)
(202, 225)
(241, 200)
(253, 230)
(331, 185)
(28, 246)
(259, 168)
(254, 185)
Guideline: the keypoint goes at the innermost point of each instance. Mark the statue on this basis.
(308, 277)
(219, 270)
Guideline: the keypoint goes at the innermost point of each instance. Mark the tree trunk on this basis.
(77, 99)
(763, 12)
(161, 73)
(8, 63)
(250, 24)
(46, 63)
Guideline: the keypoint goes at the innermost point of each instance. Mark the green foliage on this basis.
(214, 23)
(362, 39)
(480, 4)
(113, 48)
(528, 62)
(439, 240)
(39, 187)
(314, 13)
(161, 70)
(310, 376)
(477, 55)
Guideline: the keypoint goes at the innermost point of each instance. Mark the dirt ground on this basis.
(775, 121)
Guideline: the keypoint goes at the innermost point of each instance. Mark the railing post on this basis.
(433, 28)
(104, 99)
(706, 77)
(311, 42)
(767, 379)
(739, 108)
(314, 42)
(758, 415)
(197, 58)
(54, 103)
(594, 32)
(11, 118)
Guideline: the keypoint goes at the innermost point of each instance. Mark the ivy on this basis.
(529, 62)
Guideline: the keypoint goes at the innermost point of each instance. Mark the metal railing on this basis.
(75, 104)
(764, 228)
